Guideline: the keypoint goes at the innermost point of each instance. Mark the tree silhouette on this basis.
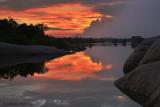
(8, 25)
(23, 70)
(28, 34)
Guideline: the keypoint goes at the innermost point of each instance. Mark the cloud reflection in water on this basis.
(78, 66)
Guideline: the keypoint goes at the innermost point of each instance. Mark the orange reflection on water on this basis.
(109, 67)
(78, 66)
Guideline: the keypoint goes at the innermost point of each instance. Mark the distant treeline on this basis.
(24, 34)
(28, 34)
(133, 41)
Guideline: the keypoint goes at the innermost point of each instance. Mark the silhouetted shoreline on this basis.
(29, 35)
(12, 66)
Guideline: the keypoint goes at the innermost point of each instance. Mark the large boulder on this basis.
(153, 53)
(139, 52)
(142, 84)
(142, 80)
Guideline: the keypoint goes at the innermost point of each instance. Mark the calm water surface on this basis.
(82, 79)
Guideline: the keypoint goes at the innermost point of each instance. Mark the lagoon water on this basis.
(82, 79)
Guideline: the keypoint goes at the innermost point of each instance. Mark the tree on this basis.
(8, 25)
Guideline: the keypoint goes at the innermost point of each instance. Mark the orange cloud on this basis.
(74, 67)
(70, 19)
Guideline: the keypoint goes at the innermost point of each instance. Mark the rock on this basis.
(142, 84)
(142, 80)
(139, 52)
(7, 61)
(133, 61)
(156, 104)
(12, 49)
(153, 54)
(155, 99)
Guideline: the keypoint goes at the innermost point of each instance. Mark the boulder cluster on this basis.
(142, 74)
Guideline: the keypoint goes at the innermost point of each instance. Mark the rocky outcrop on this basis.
(141, 83)
(153, 53)
(142, 80)
(12, 49)
(139, 52)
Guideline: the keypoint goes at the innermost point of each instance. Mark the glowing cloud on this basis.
(63, 19)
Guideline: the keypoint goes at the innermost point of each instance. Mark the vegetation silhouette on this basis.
(24, 70)
(13, 66)
(28, 34)
(24, 34)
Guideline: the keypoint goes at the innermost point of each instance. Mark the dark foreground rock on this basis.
(142, 80)
(12, 49)
(153, 53)
(142, 83)
(138, 54)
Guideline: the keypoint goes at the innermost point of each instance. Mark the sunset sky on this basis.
(83, 17)
(64, 17)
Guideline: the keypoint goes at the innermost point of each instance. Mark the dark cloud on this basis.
(138, 18)
(25, 4)
(99, 1)
(56, 28)
(110, 9)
